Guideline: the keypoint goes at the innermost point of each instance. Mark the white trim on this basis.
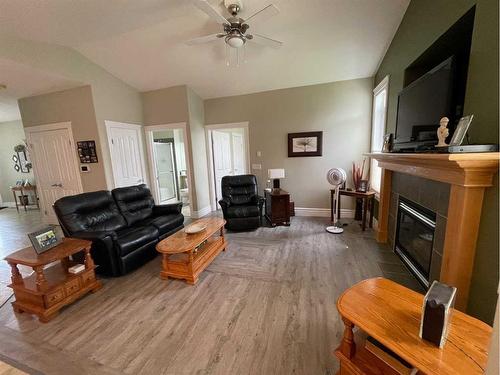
(149, 129)
(384, 84)
(200, 213)
(76, 163)
(208, 137)
(345, 213)
(125, 125)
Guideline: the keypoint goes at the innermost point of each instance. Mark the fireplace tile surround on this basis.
(430, 194)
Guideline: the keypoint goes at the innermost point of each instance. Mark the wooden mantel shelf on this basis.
(469, 175)
(471, 170)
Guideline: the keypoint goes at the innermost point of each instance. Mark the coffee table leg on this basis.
(164, 267)
(222, 235)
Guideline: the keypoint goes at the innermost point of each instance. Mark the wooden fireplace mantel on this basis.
(469, 175)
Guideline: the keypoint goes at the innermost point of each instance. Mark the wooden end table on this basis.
(48, 289)
(390, 313)
(185, 256)
(367, 199)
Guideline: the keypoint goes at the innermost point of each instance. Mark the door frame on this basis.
(210, 159)
(149, 129)
(48, 127)
(125, 125)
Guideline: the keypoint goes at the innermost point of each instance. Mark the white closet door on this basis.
(239, 162)
(127, 158)
(56, 168)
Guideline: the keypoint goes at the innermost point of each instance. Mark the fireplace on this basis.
(414, 238)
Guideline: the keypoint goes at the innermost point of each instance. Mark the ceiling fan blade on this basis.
(264, 40)
(204, 39)
(205, 6)
(264, 13)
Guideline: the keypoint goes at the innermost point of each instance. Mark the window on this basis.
(378, 129)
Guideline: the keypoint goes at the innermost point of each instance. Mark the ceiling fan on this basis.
(235, 28)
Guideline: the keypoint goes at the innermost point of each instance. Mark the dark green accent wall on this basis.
(423, 22)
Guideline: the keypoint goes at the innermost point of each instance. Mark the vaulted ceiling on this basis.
(141, 42)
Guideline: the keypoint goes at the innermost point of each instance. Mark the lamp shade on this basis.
(276, 173)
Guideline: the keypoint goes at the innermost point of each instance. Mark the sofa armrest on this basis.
(167, 209)
(103, 250)
(224, 203)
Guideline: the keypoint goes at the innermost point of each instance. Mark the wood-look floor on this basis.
(265, 306)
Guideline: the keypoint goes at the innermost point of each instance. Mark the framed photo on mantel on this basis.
(305, 144)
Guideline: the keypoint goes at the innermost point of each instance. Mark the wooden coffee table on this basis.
(185, 256)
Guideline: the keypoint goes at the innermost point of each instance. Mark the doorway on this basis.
(228, 155)
(169, 164)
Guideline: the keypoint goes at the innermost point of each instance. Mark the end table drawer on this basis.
(54, 297)
(72, 286)
(88, 277)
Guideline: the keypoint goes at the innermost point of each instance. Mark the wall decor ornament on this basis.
(305, 144)
(87, 151)
(21, 159)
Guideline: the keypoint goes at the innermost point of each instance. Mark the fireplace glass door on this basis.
(415, 238)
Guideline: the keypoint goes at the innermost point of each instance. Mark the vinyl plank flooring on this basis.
(265, 306)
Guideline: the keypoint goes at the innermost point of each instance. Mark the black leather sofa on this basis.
(241, 204)
(124, 225)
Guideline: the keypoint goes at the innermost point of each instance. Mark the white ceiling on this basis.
(21, 81)
(141, 42)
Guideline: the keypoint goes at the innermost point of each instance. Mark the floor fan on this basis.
(336, 177)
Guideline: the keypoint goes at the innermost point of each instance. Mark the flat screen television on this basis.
(422, 104)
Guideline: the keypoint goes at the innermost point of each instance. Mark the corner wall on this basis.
(423, 23)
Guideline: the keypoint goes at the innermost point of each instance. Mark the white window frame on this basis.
(377, 135)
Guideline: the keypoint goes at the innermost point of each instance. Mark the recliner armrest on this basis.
(224, 203)
(167, 209)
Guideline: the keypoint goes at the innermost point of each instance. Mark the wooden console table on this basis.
(390, 313)
(24, 189)
(47, 290)
(185, 256)
(367, 198)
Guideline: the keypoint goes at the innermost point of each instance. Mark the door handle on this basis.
(57, 185)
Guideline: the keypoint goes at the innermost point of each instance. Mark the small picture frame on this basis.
(387, 147)
(461, 130)
(44, 239)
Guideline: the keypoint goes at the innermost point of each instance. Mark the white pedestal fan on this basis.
(336, 177)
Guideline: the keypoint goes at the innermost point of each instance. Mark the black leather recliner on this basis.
(124, 225)
(241, 203)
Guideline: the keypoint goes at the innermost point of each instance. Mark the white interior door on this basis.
(55, 166)
(127, 156)
(221, 145)
(239, 162)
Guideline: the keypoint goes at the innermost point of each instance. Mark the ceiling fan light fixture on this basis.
(235, 41)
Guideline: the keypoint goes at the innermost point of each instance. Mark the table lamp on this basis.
(276, 175)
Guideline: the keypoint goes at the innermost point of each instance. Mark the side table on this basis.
(47, 290)
(24, 189)
(367, 198)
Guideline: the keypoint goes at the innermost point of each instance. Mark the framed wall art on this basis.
(305, 144)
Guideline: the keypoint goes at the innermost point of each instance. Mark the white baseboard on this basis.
(322, 212)
(200, 213)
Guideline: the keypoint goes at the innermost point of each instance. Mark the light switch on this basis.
(256, 166)
(259, 154)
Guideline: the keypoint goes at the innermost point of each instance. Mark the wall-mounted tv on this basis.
(422, 104)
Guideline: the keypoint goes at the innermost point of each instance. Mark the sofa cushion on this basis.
(131, 239)
(95, 211)
(242, 211)
(164, 223)
(135, 202)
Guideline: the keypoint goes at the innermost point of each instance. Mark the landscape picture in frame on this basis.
(305, 144)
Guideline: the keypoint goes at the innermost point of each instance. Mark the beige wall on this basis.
(112, 98)
(481, 99)
(11, 134)
(342, 110)
(76, 106)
